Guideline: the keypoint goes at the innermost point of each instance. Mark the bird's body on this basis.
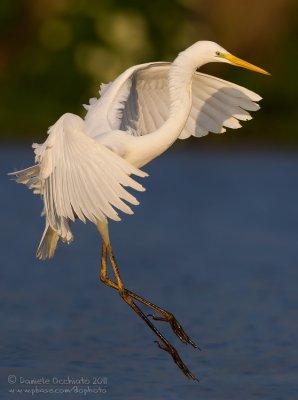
(85, 165)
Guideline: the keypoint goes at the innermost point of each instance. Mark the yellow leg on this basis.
(128, 296)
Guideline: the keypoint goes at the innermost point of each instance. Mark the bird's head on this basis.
(208, 51)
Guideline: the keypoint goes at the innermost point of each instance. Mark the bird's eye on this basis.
(217, 53)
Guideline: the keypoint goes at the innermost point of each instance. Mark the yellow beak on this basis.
(244, 64)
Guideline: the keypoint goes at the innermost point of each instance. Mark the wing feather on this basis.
(142, 102)
(79, 177)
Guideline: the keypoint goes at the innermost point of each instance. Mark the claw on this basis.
(177, 328)
(165, 316)
(173, 352)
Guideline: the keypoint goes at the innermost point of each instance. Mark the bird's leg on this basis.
(127, 297)
(162, 343)
(103, 271)
(166, 315)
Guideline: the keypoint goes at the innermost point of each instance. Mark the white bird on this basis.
(85, 166)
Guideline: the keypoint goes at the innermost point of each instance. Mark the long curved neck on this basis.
(180, 79)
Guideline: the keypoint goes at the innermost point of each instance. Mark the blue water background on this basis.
(215, 241)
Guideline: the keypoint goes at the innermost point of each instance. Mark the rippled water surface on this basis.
(215, 241)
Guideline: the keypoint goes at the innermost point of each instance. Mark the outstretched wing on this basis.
(79, 177)
(218, 104)
(138, 102)
(109, 111)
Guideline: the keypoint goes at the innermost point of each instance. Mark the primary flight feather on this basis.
(86, 167)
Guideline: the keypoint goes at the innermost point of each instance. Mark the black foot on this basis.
(176, 327)
(173, 352)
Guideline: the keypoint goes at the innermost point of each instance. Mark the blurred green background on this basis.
(55, 54)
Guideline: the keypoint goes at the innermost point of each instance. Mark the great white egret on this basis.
(83, 168)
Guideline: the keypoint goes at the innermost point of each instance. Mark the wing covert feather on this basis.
(82, 178)
(217, 104)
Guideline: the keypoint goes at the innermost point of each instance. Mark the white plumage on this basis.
(86, 167)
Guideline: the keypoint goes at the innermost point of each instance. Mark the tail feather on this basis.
(48, 243)
(49, 240)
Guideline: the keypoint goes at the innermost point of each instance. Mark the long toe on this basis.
(177, 359)
(176, 327)
(180, 332)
